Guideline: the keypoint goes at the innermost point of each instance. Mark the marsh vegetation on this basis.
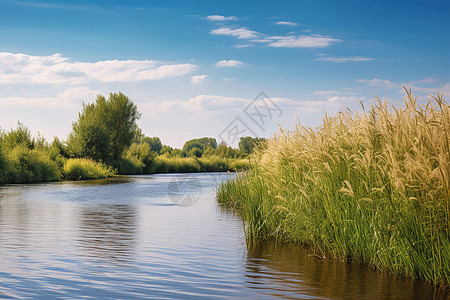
(370, 186)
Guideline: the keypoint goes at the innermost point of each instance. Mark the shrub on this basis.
(29, 166)
(83, 168)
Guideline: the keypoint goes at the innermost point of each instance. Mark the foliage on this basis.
(83, 168)
(195, 152)
(225, 151)
(142, 158)
(166, 149)
(200, 143)
(163, 164)
(177, 152)
(176, 165)
(90, 138)
(105, 128)
(105, 132)
(19, 136)
(371, 186)
(3, 165)
(60, 147)
(31, 165)
(222, 164)
(248, 143)
(154, 143)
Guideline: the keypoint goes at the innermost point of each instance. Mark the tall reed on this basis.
(370, 186)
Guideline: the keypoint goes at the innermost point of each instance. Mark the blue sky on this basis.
(192, 67)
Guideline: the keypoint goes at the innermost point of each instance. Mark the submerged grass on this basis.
(370, 186)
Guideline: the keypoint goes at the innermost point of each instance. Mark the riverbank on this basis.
(24, 165)
(370, 187)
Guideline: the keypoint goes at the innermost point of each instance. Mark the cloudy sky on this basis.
(194, 68)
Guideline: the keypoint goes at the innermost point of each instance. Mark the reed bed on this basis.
(369, 186)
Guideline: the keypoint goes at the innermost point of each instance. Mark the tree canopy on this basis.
(200, 143)
(105, 128)
(248, 143)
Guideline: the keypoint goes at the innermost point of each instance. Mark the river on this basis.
(161, 236)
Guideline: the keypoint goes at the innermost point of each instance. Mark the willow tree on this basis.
(105, 128)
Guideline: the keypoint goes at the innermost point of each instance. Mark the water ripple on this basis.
(125, 239)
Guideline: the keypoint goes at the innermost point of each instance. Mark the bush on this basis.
(30, 166)
(3, 167)
(127, 166)
(83, 168)
(176, 165)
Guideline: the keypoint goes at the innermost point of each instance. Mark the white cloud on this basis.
(229, 63)
(286, 23)
(212, 102)
(341, 99)
(240, 33)
(243, 45)
(345, 59)
(286, 41)
(327, 92)
(379, 82)
(68, 99)
(56, 69)
(198, 103)
(302, 41)
(265, 40)
(445, 89)
(426, 80)
(420, 91)
(221, 18)
(198, 79)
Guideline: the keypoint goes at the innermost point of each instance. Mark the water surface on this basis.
(160, 236)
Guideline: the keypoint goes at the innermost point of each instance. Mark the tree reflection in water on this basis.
(108, 232)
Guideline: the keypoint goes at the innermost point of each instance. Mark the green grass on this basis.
(371, 187)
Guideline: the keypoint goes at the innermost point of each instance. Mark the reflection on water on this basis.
(108, 232)
(125, 238)
(290, 271)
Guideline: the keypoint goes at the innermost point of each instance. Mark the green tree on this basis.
(166, 149)
(105, 128)
(247, 144)
(200, 143)
(195, 152)
(19, 136)
(177, 152)
(154, 143)
(224, 151)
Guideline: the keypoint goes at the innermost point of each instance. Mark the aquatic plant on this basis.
(369, 186)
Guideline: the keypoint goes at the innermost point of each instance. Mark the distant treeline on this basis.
(105, 140)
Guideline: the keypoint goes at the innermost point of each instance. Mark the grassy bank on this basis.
(21, 164)
(371, 187)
